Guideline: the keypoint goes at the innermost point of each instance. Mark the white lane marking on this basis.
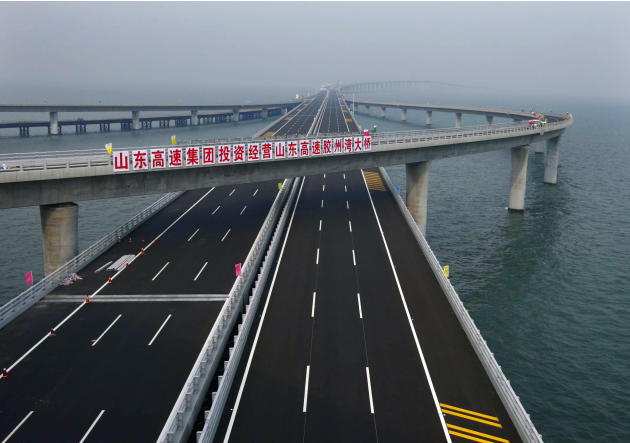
(243, 210)
(255, 192)
(354, 259)
(78, 308)
(345, 188)
(158, 331)
(230, 194)
(105, 331)
(322, 205)
(323, 188)
(194, 233)
(409, 320)
(313, 308)
(324, 176)
(226, 234)
(320, 225)
(160, 271)
(367, 374)
(308, 370)
(347, 205)
(17, 427)
(350, 225)
(317, 258)
(92, 426)
(200, 271)
(344, 176)
(214, 212)
(262, 320)
(360, 310)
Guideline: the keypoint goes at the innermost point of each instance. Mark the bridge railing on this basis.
(33, 294)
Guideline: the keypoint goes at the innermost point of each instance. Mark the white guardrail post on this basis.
(182, 418)
(32, 295)
(521, 419)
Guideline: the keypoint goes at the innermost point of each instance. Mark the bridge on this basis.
(339, 325)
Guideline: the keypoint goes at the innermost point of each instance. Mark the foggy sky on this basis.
(547, 48)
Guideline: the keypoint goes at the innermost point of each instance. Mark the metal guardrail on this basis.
(213, 418)
(510, 400)
(33, 294)
(97, 157)
(181, 419)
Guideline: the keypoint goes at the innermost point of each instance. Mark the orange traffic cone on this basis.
(142, 251)
(52, 332)
(142, 239)
(118, 239)
(129, 239)
(126, 265)
(87, 299)
(109, 280)
(5, 374)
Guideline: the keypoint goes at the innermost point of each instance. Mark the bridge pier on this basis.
(236, 115)
(135, 120)
(518, 179)
(429, 118)
(539, 148)
(403, 115)
(194, 117)
(60, 234)
(417, 175)
(551, 161)
(53, 126)
(367, 109)
(383, 111)
(458, 120)
(489, 120)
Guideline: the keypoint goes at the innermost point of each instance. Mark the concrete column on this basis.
(539, 148)
(383, 111)
(194, 117)
(417, 192)
(551, 161)
(519, 178)
(429, 118)
(458, 119)
(403, 114)
(135, 120)
(264, 114)
(53, 126)
(60, 234)
(236, 115)
(489, 120)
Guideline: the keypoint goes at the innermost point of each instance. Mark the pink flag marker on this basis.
(237, 267)
(29, 278)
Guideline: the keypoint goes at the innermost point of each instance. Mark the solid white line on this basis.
(213, 212)
(105, 331)
(350, 225)
(230, 194)
(17, 427)
(200, 271)
(320, 225)
(313, 308)
(360, 310)
(323, 188)
(226, 234)
(347, 205)
(160, 271)
(413, 329)
(308, 370)
(317, 258)
(158, 331)
(354, 259)
(322, 204)
(260, 324)
(367, 374)
(243, 210)
(92, 426)
(255, 192)
(345, 188)
(194, 233)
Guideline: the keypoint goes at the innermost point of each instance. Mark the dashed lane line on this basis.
(94, 342)
(255, 192)
(367, 374)
(226, 234)
(230, 194)
(320, 225)
(160, 271)
(308, 371)
(6, 439)
(359, 301)
(317, 257)
(313, 307)
(160, 328)
(214, 212)
(193, 234)
(92, 426)
(201, 270)
(243, 210)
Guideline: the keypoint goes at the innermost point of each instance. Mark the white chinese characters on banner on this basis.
(208, 155)
(140, 159)
(121, 161)
(175, 157)
(158, 158)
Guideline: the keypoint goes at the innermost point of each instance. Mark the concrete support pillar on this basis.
(236, 115)
(429, 118)
(519, 178)
(135, 120)
(458, 119)
(489, 120)
(539, 148)
(264, 114)
(403, 114)
(383, 111)
(53, 126)
(194, 117)
(551, 161)
(60, 234)
(417, 192)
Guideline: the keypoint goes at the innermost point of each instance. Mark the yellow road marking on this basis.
(481, 434)
(373, 180)
(288, 118)
(268, 134)
(349, 120)
(469, 437)
(469, 417)
(489, 417)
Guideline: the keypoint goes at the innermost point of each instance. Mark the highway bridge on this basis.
(337, 325)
